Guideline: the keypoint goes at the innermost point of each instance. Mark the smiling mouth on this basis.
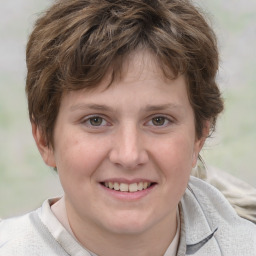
(124, 187)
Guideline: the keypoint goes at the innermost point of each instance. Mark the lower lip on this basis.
(129, 196)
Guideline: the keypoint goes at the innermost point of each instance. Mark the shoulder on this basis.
(27, 235)
(212, 201)
(13, 226)
(241, 195)
(14, 234)
(206, 209)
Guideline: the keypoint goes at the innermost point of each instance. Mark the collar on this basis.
(60, 234)
(196, 229)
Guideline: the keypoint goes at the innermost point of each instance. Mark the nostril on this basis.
(128, 160)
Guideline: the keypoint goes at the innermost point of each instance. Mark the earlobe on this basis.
(45, 150)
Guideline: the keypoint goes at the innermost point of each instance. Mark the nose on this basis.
(128, 149)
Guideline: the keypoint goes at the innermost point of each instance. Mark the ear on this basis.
(45, 150)
(199, 143)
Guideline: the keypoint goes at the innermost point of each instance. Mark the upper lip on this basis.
(127, 181)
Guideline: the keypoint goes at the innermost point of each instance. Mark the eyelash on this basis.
(167, 121)
(87, 121)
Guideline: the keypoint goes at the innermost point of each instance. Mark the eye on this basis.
(158, 121)
(161, 121)
(95, 121)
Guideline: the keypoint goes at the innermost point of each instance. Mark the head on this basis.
(123, 94)
(75, 43)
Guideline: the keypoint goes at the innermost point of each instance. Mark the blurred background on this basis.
(25, 182)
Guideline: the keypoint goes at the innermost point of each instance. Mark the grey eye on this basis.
(158, 121)
(96, 121)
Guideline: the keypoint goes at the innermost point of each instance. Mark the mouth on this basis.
(125, 187)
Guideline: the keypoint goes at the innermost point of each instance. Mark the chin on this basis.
(129, 224)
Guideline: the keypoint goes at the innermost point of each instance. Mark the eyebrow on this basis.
(102, 107)
(90, 106)
(160, 107)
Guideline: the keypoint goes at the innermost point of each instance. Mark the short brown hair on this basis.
(74, 43)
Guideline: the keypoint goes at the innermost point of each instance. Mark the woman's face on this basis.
(138, 135)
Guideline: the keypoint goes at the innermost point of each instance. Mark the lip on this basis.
(128, 196)
(127, 181)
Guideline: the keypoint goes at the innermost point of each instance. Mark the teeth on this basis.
(145, 185)
(134, 187)
(110, 185)
(116, 186)
(124, 187)
(140, 185)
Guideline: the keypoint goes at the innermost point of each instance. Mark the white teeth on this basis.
(140, 185)
(145, 185)
(110, 185)
(133, 187)
(123, 187)
(116, 186)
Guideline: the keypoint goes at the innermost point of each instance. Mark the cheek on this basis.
(176, 152)
(175, 160)
(78, 157)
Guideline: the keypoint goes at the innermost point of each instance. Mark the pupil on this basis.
(158, 120)
(96, 121)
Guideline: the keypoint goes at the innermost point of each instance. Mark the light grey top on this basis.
(240, 195)
(209, 226)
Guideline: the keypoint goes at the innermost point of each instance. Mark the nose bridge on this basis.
(128, 149)
(130, 143)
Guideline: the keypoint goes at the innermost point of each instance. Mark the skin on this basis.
(144, 130)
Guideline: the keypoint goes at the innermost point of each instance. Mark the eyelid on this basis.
(166, 117)
(85, 119)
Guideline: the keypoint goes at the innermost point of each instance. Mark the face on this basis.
(124, 153)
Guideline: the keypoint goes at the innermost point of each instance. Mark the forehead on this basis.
(140, 83)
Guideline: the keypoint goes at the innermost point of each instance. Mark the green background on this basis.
(24, 179)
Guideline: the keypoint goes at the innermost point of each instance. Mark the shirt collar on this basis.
(195, 230)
